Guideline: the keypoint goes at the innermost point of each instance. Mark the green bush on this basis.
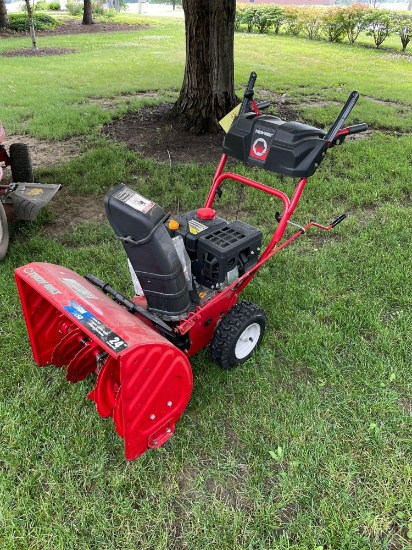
(19, 22)
(54, 6)
(402, 25)
(333, 24)
(379, 24)
(291, 22)
(310, 19)
(41, 6)
(354, 23)
(74, 8)
(98, 7)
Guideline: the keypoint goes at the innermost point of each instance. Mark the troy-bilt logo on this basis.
(260, 147)
(261, 143)
(40, 280)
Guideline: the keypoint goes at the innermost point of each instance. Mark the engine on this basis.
(178, 261)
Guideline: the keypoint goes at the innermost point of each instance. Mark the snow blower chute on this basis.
(188, 271)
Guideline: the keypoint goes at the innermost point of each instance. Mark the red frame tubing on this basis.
(203, 321)
(144, 383)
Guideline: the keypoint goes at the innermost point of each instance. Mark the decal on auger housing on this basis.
(189, 272)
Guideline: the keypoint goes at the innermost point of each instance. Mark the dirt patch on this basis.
(67, 213)
(152, 133)
(40, 52)
(68, 26)
(45, 154)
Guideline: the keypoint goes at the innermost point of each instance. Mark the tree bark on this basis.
(4, 19)
(207, 93)
(87, 13)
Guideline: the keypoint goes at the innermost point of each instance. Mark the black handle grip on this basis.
(343, 115)
(95, 281)
(338, 220)
(248, 95)
(131, 306)
(263, 105)
(357, 128)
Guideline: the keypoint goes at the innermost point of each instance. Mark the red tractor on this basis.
(21, 199)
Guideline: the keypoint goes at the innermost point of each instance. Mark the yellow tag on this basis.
(227, 121)
(34, 192)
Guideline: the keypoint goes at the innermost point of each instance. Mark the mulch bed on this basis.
(70, 26)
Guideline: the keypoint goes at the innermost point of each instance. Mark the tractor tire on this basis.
(238, 335)
(20, 163)
(4, 232)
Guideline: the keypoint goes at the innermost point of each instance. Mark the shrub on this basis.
(333, 24)
(354, 23)
(276, 15)
(54, 6)
(249, 17)
(74, 8)
(41, 6)
(379, 25)
(402, 25)
(98, 7)
(310, 19)
(291, 21)
(19, 22)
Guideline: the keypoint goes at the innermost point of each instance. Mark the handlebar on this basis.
(356, 128)
(249, 93)
(343, 115)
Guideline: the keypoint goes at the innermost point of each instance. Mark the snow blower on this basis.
(189, 272)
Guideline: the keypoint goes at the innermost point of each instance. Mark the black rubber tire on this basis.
(226, 338)
(4, 233)
(20, 163)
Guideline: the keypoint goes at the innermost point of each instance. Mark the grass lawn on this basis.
(309, 444)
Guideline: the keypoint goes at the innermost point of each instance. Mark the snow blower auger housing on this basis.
(22, 199)
(188, 272)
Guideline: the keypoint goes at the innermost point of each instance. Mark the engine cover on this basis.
(235, 246)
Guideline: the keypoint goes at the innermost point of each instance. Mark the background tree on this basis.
(4, 20)
(207, 92)
(31, 24)
(87, 13)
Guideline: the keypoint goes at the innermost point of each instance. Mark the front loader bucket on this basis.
(143, 382)
(29, 198)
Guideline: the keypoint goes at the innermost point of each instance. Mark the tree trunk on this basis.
(87, 13)
(410, 5)
(4, 19)
(207, 93)
(31, 24)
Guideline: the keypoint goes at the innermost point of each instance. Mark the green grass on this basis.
(309, 444)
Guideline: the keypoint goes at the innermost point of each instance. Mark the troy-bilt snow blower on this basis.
(189, 272)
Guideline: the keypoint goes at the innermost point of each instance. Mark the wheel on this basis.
(238, 335)
(4, 233)
(20, 163)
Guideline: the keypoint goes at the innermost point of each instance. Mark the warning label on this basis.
(196, 227)
(97, 327)
(133, 199)
(79, 289)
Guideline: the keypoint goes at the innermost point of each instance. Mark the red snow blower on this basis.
(188, 270)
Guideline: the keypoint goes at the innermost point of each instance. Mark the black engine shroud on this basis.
(289, 148)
